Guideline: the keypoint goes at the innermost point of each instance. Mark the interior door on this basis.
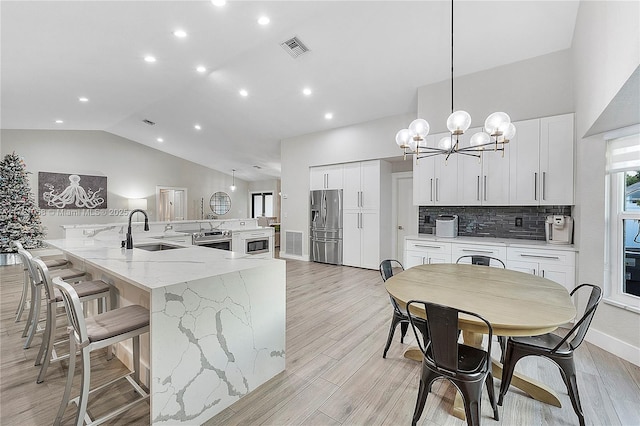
(406, 216)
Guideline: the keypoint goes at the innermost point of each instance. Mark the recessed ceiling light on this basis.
(243, 93)
(149, 58)
(306, 91)
(328, 115)
(264, 20)
(219, 3)
(200, 68)
(83, 99)
(197, 126)
(59, 121)
(160, 140)
(180, 33)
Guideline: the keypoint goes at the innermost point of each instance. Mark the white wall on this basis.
(133, 170)
(606, 51)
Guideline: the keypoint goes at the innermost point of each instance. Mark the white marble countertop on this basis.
(487, 241)
(150, 270)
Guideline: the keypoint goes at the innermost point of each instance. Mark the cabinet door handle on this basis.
(423, 258)
(478, 188)
(433, 247)
(544, 185)
(437, 184)
(431, 186)
(477, 251)
(535, 186)
(538, 256)
(485, 188)
(533, 271)
(542, 273)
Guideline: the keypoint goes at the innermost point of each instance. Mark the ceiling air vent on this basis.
(149, 122)
(294, 47)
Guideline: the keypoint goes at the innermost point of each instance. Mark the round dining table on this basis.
(515, 303)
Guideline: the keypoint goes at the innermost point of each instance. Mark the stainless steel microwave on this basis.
(257, 245)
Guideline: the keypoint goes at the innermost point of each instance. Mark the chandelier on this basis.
(497, 131)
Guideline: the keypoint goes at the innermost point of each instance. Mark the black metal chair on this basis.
(556, 348)
(387, 268)
(464, 366)
(476, 259)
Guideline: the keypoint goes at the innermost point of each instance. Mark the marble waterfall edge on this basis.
(215, 340)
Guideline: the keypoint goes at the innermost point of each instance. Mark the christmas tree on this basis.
(19, 215)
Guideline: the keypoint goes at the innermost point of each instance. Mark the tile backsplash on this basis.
(498, 222)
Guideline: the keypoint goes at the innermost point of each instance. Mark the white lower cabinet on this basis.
(555, 265)
(459, 250)
(426, 252)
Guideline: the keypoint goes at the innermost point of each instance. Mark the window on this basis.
(623, 168)
(262, 204)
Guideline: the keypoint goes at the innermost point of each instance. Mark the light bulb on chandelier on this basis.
(498, 130)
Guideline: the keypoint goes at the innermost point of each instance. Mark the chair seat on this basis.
(85, 288)
(470, 360)
(545, 341)
(55, 262)
(67, 274)
(115, 322)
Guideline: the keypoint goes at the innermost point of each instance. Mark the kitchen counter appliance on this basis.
(559, 229)
(325, 228)
(215, 238)
(447, 226)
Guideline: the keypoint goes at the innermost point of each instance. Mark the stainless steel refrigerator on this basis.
(325, 229)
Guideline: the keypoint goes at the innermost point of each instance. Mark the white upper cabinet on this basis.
(556, 160)
(362, 185)
(435, 179)
(541, 162)
(326, 177)
(484, 180)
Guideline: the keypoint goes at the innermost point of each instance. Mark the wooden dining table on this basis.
(515, 303)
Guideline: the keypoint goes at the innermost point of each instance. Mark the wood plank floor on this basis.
(337, 323)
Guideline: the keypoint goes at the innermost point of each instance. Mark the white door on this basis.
(556, 160)
(406, 213)
(524, 164)
(351, 194)
(370, 237)
(369, 185)
(351, 238)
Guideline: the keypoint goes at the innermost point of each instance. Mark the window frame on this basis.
(263, 194)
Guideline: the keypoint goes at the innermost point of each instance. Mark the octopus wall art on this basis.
(64, 191)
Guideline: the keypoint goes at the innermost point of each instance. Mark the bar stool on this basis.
(89, 334)
(87, 291)
(54, 263)
(31, 327)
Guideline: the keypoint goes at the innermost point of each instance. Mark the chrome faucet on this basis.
(146, 226)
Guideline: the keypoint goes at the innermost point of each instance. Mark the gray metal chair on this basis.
(100, 331)
(53, 263)
(387, 268)
(35, 287)
(556, 348)
(464, 366)
(87, 291)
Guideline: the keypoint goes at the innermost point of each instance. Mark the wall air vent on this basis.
(294, 47)
(149, 122)
(293, 242)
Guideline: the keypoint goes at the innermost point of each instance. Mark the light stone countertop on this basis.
(150, 270)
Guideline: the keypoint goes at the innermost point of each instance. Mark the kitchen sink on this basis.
(157, 246)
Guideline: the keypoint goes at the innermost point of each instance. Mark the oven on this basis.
(256, 245)
(218, 239)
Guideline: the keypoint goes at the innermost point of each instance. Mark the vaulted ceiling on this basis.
(365, 61)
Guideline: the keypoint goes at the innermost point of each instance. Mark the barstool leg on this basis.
(25, 332)
(136, 359)
(48, 340)
(84, 386)
(35, 319)
(67, 388)
(23, 296)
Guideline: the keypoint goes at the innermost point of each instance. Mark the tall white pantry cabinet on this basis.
(366, 229)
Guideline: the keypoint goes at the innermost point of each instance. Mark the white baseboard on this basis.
(616, 346)
(284, 255)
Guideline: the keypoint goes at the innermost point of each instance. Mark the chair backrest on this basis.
(579, 330)
(442, 323)
(476, 259)
(387, 268)
(44, 278)
(74, 309)
(27, 261)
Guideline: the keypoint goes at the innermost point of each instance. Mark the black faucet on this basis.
(146, 226)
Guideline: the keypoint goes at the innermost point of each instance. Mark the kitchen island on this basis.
(217, 320)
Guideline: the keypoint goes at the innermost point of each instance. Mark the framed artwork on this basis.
(71, 191)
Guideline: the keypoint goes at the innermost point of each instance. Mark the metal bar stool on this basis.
(94, 333)
(54, 263)
(87, 291)
(31, 326)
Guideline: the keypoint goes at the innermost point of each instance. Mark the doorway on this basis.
(171, 203)
(404, 213)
